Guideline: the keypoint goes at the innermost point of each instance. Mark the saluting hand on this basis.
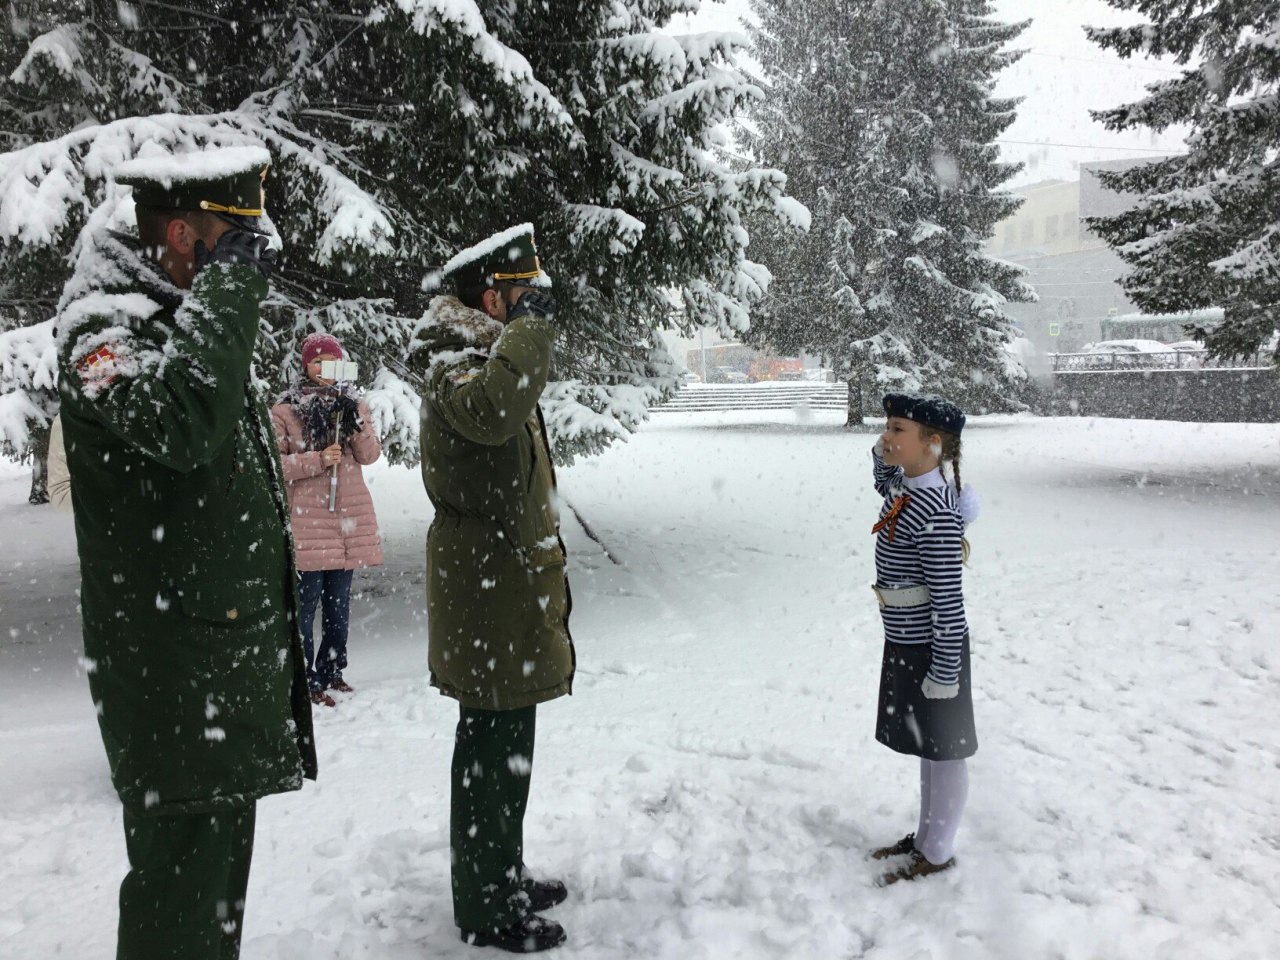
(533, 304)
(331, 454)
(240, 247)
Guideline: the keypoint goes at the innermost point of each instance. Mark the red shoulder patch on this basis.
(99, 367)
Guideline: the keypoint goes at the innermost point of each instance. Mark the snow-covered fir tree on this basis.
(32, 276)
(403, 131)
(89, 84)
(1205, 231)
(617, 155)
(882, 116)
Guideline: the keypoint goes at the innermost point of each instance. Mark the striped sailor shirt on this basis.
(922, 546)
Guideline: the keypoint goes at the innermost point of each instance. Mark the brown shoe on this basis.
(342, 686)
(915, 868)
(903, 846)
(322, 699)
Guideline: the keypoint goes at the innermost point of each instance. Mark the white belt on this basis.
(901, 596)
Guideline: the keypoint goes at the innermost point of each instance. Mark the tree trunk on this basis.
(853, 420)
(39, 450)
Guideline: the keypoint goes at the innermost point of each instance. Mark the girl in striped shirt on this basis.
(926, 708)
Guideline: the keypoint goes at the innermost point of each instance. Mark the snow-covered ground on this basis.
(712, 787)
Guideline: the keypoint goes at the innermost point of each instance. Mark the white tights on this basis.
(944, 788)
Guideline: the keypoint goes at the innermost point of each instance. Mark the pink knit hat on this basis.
(318, 343)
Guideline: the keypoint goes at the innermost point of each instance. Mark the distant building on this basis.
(1075, 273)
(1047, 223)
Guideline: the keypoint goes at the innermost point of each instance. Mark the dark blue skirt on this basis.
(911, 723)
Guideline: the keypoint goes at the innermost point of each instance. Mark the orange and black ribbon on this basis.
(890, 519)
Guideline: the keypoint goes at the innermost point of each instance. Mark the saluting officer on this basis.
(498, 600)
(188, 588)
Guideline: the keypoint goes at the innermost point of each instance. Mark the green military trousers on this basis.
(183, 898)
(492, 759)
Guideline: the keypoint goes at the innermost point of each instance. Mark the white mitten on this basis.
(938, 691)
(878, 449)
(969, 504)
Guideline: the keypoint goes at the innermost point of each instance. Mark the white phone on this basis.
(337, 370)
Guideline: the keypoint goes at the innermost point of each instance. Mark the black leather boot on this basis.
(544, 894)
(533, 934)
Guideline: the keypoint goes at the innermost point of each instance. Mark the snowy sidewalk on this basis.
(712, 787)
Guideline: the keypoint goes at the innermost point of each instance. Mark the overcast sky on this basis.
(1060, 79)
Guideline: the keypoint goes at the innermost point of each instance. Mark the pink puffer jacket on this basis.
(347, 538)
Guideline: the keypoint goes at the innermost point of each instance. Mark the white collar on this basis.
(925, 481)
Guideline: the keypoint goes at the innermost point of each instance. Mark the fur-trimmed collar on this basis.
(449, 320)
(115, 281)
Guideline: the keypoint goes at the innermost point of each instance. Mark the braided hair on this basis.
(949, 453)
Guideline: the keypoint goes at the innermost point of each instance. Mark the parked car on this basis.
(725, 375)
(1128, 355)
(1191, 354)
(690, 377)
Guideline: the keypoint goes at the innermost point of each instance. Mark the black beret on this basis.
(930, 411)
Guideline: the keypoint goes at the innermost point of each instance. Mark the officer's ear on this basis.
(180, 236)
(493, 303)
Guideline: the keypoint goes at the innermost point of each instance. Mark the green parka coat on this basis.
(188, 589)
(497, 597)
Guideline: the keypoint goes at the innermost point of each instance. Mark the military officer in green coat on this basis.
(497, 598)
(188, 588)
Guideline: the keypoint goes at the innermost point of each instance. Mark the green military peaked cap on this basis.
(510, 256)
(223, 180)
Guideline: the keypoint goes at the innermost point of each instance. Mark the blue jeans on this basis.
(331, 591)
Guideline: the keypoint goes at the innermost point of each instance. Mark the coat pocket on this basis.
(239, 604)
(475, 580)
(545, 578)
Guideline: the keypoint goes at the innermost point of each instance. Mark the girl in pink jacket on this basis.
(331, 544)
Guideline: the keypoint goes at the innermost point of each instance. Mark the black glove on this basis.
(533, 304)
(238, 246)
(350, 408)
